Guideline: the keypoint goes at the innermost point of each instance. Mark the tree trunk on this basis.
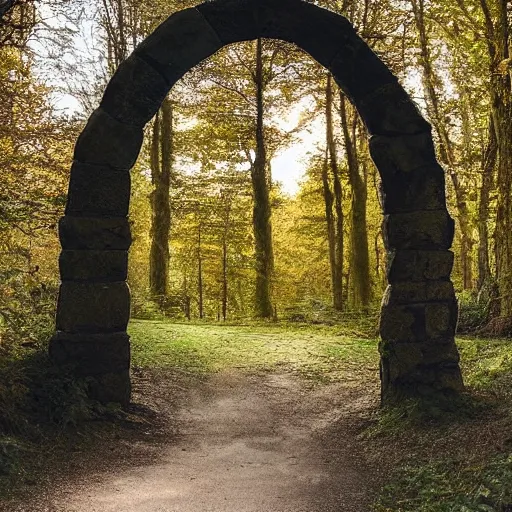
(262, 208)
(200, 273)
(501, 97)
(446, 150)
(329, 218)
(224, 278)
(488, 165)
(359, 234)
(338, 199)
(161, 145)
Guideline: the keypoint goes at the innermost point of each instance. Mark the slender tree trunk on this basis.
(488, 166)
(200, 273)
(186, 298)
(224, 278)
(331, 229)
(359, 234)
(338, 198)
(446, 150)
(160, 203)
(262, 208)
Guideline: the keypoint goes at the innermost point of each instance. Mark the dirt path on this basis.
(245, 443)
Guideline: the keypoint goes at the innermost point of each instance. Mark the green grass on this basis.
(320, 353)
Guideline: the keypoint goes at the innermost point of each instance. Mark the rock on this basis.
(179, 43)
(429, 230)
(402, 324)
(360, 72)
(106, 141)
(388, 110)
(95, 233)
(441, 320)
(92, 354)
(99, 266)
(97, 191)
(411, 292)
(402, 154)
(135, 92)
(93, 307)
(411, 178)
(319, 32)
(419, 265)
(232, 20)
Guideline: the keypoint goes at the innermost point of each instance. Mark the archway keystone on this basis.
(419, 309)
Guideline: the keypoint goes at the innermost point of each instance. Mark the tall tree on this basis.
(338, 225)
(360, 263)
(161, 168)
(499, 39)
(262, 208)
(447, 153)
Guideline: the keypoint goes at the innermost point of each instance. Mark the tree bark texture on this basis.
(359, 234)
(501, 104)
(446, 149)
(262, 208)
(161, 167)
(488, 169)
(339, 238)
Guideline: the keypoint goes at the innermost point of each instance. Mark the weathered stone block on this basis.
(419, 265)
(441, 319)
(319, 32)
(92, 354)
(95, 233)
(402, 324)
(440, 353)
(106, 141)
(404, 153)
(101, 266)
(411, 178)
(93, 307)
(96, 191)
(232, 20)
(111, 387)
(135, 92)
(431, 230)
(388, 110)
(360, 72)
(410, 292)
(422, 189)
(409, 360)
(180, 43)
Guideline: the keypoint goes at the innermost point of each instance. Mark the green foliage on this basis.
(487, 365)
(450, 486)
(473, 312)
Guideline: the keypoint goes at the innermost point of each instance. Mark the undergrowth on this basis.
(470, 468)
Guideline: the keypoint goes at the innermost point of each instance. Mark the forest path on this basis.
(237, 440)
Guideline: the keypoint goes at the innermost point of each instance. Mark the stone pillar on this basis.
(94, 300)
(93, 309)
(419, 310)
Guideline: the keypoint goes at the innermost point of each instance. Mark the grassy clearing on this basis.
(319, 353)
(438, 460)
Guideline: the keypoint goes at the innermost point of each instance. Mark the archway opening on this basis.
(419, 309)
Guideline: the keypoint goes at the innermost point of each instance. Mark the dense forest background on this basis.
(215, 235)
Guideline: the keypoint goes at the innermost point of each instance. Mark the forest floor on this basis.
(278, 418)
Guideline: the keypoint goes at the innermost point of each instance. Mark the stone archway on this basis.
(419, 309)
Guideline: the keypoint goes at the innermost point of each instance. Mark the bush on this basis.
(474, 312)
